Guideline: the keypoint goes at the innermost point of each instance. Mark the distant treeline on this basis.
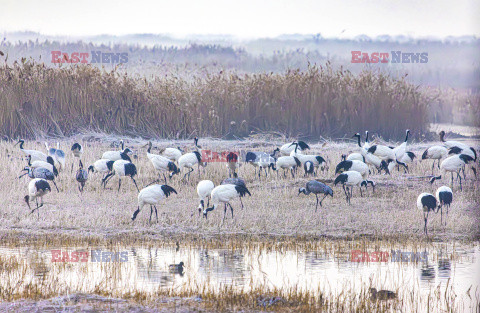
(452, 62)
(37, 100)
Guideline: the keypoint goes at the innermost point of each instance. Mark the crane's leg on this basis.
(425, 217)
(316, 205)
(224, 213)
(119, 183)
(151, 211)
(322, 199)
(463, 171)
(241, 202)
(135, 183)
(231, 209)
(291, 170)
(441, 215)
(55, 185)
(156, 213)
(265, 169)
(345, 192)
(452, 179)
(460, 180)
(433, 165)
(361, 194)
(165, 178)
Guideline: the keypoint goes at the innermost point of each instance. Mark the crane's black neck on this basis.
(358, 138)
(406, 137)
(366, 139)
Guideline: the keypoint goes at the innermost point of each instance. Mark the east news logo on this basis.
(384, 57)
(85, 57)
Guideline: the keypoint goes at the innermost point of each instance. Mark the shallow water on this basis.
(332, 272)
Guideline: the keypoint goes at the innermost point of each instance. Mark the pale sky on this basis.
(243, 18)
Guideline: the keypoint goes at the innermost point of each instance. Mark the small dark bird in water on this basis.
(176, 268)
(382, 294)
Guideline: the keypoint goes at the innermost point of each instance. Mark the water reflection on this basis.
(147, 269)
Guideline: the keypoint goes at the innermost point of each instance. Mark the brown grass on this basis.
(39, 101)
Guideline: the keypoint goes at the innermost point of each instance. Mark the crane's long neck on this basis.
(366, 139)
(358, 138)
(21, 144)
(406, 137)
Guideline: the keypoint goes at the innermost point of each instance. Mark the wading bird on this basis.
(288, 162)
(371, 159)
(232, 163)
(37, 188)
(123, 168)
(426, 202)
(81, 176)
(57, 155)
(40, 172)
(354, 165)
(188, 160)
(35, 155)
(308, 168)
(436, 153)
(287, 148)
(262, 160)
(77, 151)
(351, 179)
(444, 197)
(386, 153)
(117, 155)
(316, 187)
(453, 164)
(103, 166)
(204, 190)
(315, 159)
(152, 195)
(224, 194)
(162, 164)
(235, 181)
(381, 294)
(49, 165)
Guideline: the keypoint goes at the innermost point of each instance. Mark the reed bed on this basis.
(38, 101)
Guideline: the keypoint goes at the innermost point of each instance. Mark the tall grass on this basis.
(38, 101)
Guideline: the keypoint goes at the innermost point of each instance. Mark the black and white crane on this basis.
(369, 158)
(436, 153)
(104, 166)
(402, 148)
(238, 181)
(288, 163)
(37, 188)
(57, 155)
(315, 159)
(453, 164)
(426, 202)
(204, 190)
(354, 165)
(49, 165)
(123, 168)
(224, 194)
(386, 153)
(117, 155)
(162, 164)
(262, 160)
(173, 154)
(316, 187)
(39, 172)
(367, 144)
(152, 195)
(351, 179)
(308, 168)
(287, 148)
(444, 197)
(188, 160)
(81, 176)
(35, 155)
(77, 152)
